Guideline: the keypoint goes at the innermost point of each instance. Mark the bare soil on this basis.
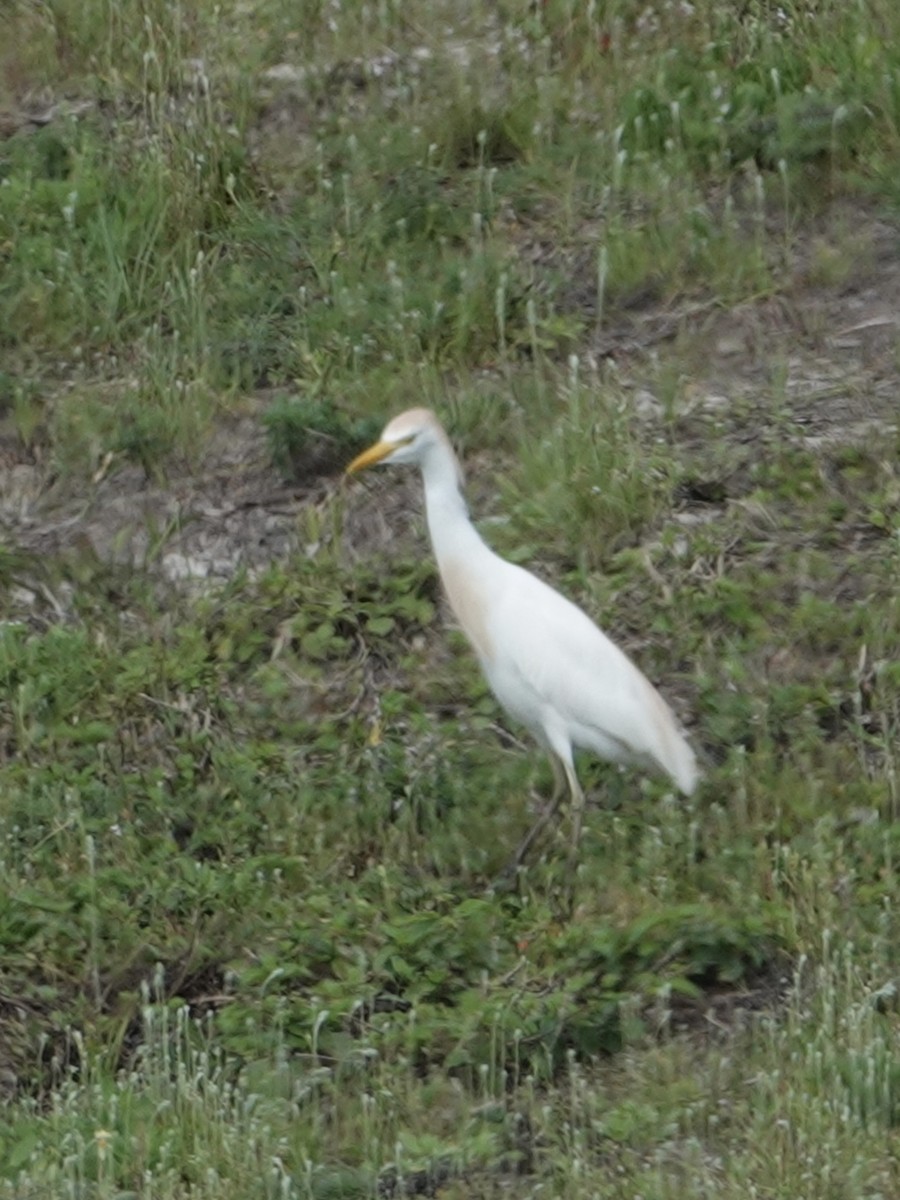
(828, 348)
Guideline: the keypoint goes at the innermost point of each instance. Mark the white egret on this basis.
(547, 663)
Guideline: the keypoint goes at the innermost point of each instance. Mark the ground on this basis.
(256, 801)
(834, 345)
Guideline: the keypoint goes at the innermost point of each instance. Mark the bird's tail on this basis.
(673, 754)
(683, 764)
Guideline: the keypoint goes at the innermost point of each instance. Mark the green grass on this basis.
(254, 932)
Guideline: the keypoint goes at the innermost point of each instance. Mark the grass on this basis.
(250, 830)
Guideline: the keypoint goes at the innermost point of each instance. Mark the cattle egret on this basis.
(547, 663)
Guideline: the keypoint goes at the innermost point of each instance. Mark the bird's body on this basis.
(546, 661)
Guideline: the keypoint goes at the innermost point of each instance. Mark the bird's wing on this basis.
(552, 657)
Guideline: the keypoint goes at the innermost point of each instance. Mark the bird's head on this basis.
(408, 438)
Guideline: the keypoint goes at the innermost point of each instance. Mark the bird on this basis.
(549, 665)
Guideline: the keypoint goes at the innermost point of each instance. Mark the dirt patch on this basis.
(830, 351)
(199, 525)
(826, 350)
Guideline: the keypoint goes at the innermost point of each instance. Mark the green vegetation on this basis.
(256, 803)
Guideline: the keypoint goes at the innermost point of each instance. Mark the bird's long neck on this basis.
(463, 559)
(453, 536)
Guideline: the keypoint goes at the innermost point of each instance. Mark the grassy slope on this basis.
(250, 942)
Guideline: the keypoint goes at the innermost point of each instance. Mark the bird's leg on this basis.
(577, 796)
(559, 777)
(559, 786)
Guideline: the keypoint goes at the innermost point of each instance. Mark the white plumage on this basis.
(547, 663)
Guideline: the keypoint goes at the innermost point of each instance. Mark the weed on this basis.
(309, 438)
(249, 833)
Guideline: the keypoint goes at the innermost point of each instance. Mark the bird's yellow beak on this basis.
(374, 454)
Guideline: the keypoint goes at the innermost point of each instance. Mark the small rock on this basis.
(184, 566)
(285, 73)
(646, 405)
